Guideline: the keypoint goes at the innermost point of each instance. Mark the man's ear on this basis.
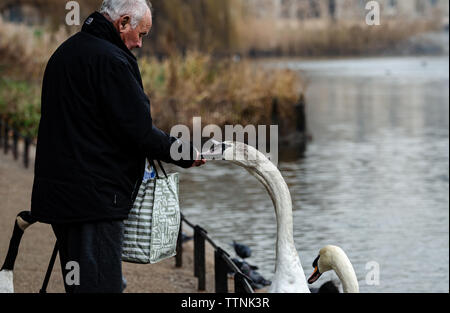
(123, 22)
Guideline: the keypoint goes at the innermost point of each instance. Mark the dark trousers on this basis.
(96, 250)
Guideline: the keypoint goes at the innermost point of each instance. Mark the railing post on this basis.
(220, 271)
(199, 256)
(1, 131)
(6, 139)
(275, 114)
(25, 151)
(15, 142)
(300, 111)
(241, 285)
(179, 256)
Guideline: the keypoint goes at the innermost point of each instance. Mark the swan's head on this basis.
(334, 258)
(326, 261)
(236, 152)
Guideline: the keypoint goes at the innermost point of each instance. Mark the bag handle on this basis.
(49, 269)
(152, 163)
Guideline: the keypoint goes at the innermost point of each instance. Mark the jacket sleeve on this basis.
(128, 108)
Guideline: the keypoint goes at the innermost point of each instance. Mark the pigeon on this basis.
(240, 263)
(185, 237)
(258, 281)
(241, 250)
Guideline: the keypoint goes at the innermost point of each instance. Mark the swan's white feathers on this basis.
(289, 276)
(334, 258)
(6, 281)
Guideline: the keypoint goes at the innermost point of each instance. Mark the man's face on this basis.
(132, 38)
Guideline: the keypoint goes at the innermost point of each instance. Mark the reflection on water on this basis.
(374, 180)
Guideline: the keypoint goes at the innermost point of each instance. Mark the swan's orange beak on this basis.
(315, 275)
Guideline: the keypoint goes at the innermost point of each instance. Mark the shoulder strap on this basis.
(162, 168)
(152, 163)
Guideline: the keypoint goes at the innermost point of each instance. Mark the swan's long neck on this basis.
(289, 274)
(344, 270)
(282, 202)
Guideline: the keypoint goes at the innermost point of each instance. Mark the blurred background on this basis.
(366, 158)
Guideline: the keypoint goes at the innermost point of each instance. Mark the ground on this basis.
(38, 241)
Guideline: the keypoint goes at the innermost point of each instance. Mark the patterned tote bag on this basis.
(152, 226)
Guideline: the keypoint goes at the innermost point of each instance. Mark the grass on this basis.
(328, 38)
(222, 92)
(24, 50)
(20, 105)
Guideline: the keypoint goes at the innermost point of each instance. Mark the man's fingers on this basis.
(198, 163)
(199, 160)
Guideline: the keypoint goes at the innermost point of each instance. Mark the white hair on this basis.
(117, 8)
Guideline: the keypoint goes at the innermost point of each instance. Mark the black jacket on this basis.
(95, 131)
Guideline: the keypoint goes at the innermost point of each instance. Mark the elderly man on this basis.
(95, 133)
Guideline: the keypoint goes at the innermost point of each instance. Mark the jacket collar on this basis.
(97, 25)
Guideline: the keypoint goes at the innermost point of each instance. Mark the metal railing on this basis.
(223, 264)
(6, 134)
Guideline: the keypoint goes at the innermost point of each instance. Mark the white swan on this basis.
(334, 258)
(289, 275)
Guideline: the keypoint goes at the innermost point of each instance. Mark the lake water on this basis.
(374, 179)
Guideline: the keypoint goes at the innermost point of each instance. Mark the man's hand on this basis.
(199, 161)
